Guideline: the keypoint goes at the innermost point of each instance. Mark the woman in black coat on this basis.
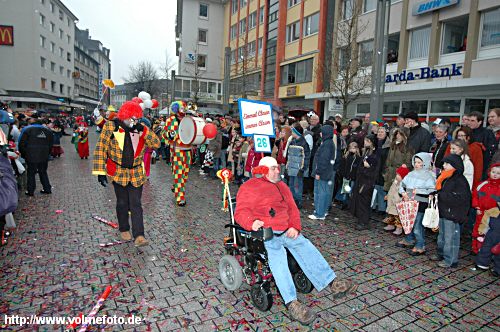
(365, 182)
(454, 199)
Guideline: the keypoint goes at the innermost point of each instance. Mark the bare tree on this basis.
(167, 66)
(347, 77)
(144, 77)
(243, 72)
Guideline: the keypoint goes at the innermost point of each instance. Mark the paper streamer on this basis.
(105, 221)
(110, 244)
(96, 308)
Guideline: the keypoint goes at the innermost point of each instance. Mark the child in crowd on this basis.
(485, 197)
(252, 159)
(454, 199)
(420, 183)
(393, 198)
(460, 148)
(490, 226)
(348, 168)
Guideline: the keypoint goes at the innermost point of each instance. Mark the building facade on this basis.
(199, 27)
(277, 48)
(86, 75)
(37, 54)
(443, 58)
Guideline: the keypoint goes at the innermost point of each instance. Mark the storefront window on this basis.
(472, 105)
(494, 103)
(366, 53)
(420, 40)
(455, 35)
(362, 109)
(419, 106)
(445, 106)
(391, 107)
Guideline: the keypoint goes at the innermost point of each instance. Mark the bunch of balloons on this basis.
(144, 100)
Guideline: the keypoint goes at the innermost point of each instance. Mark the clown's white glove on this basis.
(96, 112)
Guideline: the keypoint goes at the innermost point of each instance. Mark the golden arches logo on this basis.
(6, 35)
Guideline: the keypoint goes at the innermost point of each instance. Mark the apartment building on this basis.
(86, 75)
(37, 54)
(443, 57)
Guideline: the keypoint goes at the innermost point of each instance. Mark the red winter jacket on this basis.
(273, 203)
(483, 196)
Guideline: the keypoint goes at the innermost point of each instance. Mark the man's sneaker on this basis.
(45, 192)
(126, 236)
(340, 288)
(436, 258)
(301, 313)
(444, 265)
(313, 217)
(140, 241)
(482, 268)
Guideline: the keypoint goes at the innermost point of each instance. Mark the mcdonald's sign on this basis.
(7, 35)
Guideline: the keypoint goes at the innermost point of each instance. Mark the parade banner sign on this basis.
(256, 117)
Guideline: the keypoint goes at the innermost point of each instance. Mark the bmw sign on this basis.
(432, 5)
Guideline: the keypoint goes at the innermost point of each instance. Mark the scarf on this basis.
(128, 148)
(445, 174)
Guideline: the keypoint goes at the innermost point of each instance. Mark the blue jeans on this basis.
(307, 256)
(296, 184)
(331, 190)
(448, 242)
(379, 198)
(417, 234)
(223, 159)
(321, 195)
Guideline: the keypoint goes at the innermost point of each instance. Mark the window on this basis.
(42, 62)
(233, 56)
(43, 83)
(52, 27)
(61, 70)
(252, 20)
(69, 22)
(233, 31)
(366, 53)
(42, 41)
(391, 107)
(69, 90)
(455, 35)
(202, 36)
(393, 48)
(293, 32)
(234, 6)
(261, 15)
(212, 87)
(68, 73)
(297, 72)
(61, 88)
(68, 56)
(53, 86)
(53, 66)
(203, 10)
(51, 6)
(418, 106)
(42, 2)
(490, 32)
(292, 3)
(201, 61)
(445, 106)
(260, 46)
(347, 9)
(243, 26)
(69, 39)
(243, 3)
(251, 49)
(61, 15)
(52, 47)
(369, 5)
(419, 43)
(311, 24)
(61, 33)
(344, 58)
(42, 20)
(241, 53)
(61, 52)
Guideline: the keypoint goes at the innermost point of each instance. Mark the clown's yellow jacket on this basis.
(108, 155)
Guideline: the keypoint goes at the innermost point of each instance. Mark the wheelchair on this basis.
(246, 259)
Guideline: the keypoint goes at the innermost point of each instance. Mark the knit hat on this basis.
(411, 115)
(264, 165)
(402, 171)
(455, 161)
(298, 130)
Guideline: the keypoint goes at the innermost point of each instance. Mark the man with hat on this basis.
(267, 202)
(420, 138)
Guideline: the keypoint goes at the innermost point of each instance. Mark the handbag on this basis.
(431, 215)
(407, 211)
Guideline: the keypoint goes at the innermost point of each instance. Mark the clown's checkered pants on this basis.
(181, 159)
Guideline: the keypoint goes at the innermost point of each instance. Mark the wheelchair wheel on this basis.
(230, 272)
(262, 298)
(302, 283)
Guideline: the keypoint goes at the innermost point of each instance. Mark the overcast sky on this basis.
(134, 30)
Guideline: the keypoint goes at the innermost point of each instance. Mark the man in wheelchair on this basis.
(268, 202)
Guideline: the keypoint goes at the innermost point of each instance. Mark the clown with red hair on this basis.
(83, 140)
(119, 156)
(180, 153)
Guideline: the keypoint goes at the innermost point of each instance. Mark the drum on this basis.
(191, 130)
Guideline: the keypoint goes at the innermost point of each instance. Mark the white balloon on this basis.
(148, 103)
(142, 106)
(144, 95)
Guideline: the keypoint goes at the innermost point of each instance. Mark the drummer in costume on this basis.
(180, 153)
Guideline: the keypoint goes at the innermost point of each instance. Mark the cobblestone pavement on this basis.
(54, 266)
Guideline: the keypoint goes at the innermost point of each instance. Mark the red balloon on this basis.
(155, 103)
(210, 130)
(137, 100)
